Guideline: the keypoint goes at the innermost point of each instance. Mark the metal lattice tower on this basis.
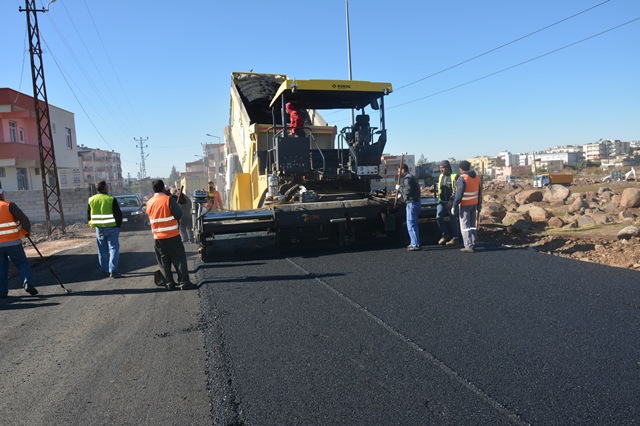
(48, 168)
(142, 146)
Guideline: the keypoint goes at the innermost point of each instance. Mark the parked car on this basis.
(133, 211)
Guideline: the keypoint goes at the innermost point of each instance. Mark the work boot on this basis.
(30, 289)
(468, 250)
(452, 242)
(413, 248)
(442, 241)
(187, 286)
(115, 275)
(171, 286)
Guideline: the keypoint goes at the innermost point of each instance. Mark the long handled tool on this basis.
(395, 202)
(49, 267)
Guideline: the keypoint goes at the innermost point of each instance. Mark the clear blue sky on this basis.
(131, 69)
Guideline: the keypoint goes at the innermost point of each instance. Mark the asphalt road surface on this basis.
(368, 336)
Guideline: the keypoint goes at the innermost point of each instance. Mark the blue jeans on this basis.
(441, 212)
(17, 256)
(108, 248)
(413, 213)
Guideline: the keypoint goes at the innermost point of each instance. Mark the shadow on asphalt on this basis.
(28, 302)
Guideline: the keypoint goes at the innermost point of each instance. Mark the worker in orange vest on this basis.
(14, 225)
(164, 216)
(469, 198)
(214, 203)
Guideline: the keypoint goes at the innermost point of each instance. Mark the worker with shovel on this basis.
(14, 225)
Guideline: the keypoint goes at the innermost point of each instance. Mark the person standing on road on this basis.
(467, 197)
(164, 214)
(186, 222)
(14, 225)
(105, 215)
(409, 189)
(445, 191)
(215, 199)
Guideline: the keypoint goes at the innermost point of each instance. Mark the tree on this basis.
(174, 176)
(422, 161)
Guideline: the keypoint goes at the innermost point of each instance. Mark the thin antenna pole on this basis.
(349, 54)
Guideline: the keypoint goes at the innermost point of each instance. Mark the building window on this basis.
(23, 181)
(37, 171)
(21, 134)
(63, 178)
(2, 172)
(76, 178)
(67, 133)
(13, 137)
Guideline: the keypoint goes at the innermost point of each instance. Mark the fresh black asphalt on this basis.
(385, 336)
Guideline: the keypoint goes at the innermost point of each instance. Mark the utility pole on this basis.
(48, 168)
(142, 146)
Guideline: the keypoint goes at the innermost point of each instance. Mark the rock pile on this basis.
(600, 226)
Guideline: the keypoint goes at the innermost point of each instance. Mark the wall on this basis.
(74, 205)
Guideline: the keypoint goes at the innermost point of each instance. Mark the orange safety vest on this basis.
(163, 224)
(471, 189)
(10, 228)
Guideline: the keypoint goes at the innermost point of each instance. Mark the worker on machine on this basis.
(296, 120)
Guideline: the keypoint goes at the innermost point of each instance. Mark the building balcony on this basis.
(19, 151)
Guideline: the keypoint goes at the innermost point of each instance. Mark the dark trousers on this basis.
(170, 251)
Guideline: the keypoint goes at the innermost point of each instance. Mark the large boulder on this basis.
(626, 216)
(628, 232)
(585, 222)
(529, 196)
(556, 194)
(494, 210)
(555, 222)
(578, 204)
(630, 198)
(511, 218)
(538, 214)
(600, 217)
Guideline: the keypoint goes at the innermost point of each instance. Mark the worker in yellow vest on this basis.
(105, 215)
(164, 214)
(14, 225)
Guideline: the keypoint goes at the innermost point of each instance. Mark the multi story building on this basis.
(98, 164)
(389, 171)
(19, 151)
(595, 151)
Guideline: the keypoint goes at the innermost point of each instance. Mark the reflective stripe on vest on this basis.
(163, 224)
(101, 211)
(453, 183)
(10, 228)
(471, 189)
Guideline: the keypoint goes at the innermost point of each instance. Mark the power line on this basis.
(500, 47)
(516, 65)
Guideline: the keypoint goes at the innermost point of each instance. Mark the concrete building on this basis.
(564, 158)
(19, 151)
(483, 163)
(595, 151)
(389, 171)
(509, 159)
(98, 164)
